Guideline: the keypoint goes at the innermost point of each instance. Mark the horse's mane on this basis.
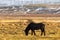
(36, 23)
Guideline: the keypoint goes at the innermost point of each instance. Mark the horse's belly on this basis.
(36, 28)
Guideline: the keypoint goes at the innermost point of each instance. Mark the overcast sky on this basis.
(19, 2)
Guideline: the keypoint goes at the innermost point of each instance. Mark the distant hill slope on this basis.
(42, 5)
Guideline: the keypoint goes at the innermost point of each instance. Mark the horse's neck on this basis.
(28, 28)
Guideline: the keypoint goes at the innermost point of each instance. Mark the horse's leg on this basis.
(31, 32)
(43, 31)
(34, 32)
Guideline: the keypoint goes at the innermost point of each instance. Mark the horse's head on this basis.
(26, 32)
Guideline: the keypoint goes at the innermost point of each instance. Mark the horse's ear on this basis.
(29, 20)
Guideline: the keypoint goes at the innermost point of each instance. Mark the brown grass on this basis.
(13, 30)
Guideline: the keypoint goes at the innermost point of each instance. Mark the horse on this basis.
(35, 26)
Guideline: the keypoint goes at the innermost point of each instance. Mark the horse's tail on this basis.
(44, 30)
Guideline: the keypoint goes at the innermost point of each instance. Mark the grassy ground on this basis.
(15, 31)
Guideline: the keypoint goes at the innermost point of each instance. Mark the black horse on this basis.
(35, 26)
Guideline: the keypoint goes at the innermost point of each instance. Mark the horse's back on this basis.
(37, 26)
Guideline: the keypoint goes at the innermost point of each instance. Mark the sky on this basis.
(20, 2)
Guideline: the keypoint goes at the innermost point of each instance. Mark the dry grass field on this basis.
(13, 24)
(14, 29)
